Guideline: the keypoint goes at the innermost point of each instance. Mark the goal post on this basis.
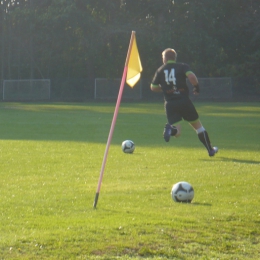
(107, 89)
(27, 90)
(210, 89)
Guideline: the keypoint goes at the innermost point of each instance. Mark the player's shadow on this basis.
(239, 160)
(224, 159)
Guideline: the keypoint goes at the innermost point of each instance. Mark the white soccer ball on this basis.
(128, 146)
(182, 192)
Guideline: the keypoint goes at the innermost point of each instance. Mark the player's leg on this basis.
(171, 129)
(204, 137)
(190, 114)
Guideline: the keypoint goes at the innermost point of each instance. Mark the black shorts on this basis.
(179, 109)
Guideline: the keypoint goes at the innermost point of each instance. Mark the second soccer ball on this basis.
(128, 146)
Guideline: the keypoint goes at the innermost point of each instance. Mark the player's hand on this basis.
(195, 92)
(196, 89)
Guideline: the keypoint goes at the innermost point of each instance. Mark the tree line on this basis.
(90, 38)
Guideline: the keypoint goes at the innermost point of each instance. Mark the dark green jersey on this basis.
(172, 79)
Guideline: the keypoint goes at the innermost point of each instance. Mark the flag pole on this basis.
(120, 93)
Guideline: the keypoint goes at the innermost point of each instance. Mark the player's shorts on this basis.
(179, 109)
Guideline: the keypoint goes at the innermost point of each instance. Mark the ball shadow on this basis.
(201, 204)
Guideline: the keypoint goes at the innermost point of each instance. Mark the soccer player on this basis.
(170, 79)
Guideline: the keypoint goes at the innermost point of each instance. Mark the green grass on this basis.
(50, 161)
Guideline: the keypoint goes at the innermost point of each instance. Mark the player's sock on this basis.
(174, 131)
(204, 138)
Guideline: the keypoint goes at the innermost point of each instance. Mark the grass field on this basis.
(51, 156)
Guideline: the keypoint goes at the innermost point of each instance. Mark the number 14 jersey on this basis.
(172, 79)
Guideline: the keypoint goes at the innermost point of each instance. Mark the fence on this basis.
(212, 89)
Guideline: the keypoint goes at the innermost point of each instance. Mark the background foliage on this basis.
(83, 38)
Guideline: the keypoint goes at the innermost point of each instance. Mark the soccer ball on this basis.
(128, 146)
(182, 192)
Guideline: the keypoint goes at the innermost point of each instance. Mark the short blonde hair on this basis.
(169, 54)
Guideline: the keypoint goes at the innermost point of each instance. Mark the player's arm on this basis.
(194, 82)
(156, 88)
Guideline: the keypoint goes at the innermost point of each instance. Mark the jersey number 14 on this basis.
(170, 76)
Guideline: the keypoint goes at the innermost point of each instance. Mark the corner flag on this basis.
(131, 75)
(134, 66)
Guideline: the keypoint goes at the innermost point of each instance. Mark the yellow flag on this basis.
(134, 67)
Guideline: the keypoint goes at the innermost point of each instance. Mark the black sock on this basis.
(204, 138)
(174, 131)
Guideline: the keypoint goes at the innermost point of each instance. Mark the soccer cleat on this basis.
(167, 132)
(213, 151)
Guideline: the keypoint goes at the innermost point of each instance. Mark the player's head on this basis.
(169, 54)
